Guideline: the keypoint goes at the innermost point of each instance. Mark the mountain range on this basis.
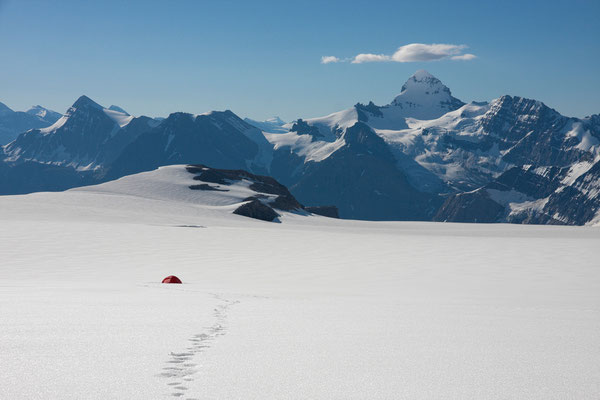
(12, 123)
(424, 156)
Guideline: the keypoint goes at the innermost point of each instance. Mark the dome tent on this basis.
(171, 279)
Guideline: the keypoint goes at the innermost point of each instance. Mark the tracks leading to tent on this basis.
(182, 366)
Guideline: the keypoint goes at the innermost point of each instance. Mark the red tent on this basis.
(171, 279)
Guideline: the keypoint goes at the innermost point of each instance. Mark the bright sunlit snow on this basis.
(307, 308)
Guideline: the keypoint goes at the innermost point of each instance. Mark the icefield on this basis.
(308, 308)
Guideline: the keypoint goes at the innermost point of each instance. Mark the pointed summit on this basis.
(423, 83)
(426, 97)
(422, 74)
(85, 101)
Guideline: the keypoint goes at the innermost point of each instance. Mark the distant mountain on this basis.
(85, 138)
(424, 96)
(91, 144)
(218, 139)
(343, 159)
(538, 166)
(424, 156)
(12, 123)
(458, 159)
(118, 109)
(44, 113)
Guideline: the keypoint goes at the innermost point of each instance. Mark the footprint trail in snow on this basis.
(182, 366)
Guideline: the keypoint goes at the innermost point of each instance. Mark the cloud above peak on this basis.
(329, 59)
(464, 57)
(368, 57)
(426, 52)
(414, 52)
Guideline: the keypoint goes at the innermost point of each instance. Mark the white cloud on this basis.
(363, 58)
(426, 52)
(414, 52)
(329, 59)
(465, 57)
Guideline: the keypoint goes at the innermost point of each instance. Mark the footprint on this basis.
(180, 365)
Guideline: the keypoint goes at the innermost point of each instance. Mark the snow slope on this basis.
(172, 184)
(272, 125)
(310, 308)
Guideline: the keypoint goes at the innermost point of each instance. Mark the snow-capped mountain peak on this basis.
(121, 118)
(276, 121)
(77, 139)
(426, 97)
(44, 113)
(423, 83)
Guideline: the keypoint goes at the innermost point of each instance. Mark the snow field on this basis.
(308, 308)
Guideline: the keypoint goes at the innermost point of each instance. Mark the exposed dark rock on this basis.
(579, 203)
(363, 180)
(474, 206)
(303, 128)
(205, 186)
(364, 111)
(256, 209)
(261, 184)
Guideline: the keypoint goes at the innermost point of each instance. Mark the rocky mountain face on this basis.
(12, 123)
(364, 174)
(218, 139)
(78, 139)
(93, 144)
(549, 168)
(267, 195)
(424, 156)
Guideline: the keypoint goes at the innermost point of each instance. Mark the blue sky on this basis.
(263, 58)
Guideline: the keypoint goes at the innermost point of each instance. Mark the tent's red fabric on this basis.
(171, 279)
